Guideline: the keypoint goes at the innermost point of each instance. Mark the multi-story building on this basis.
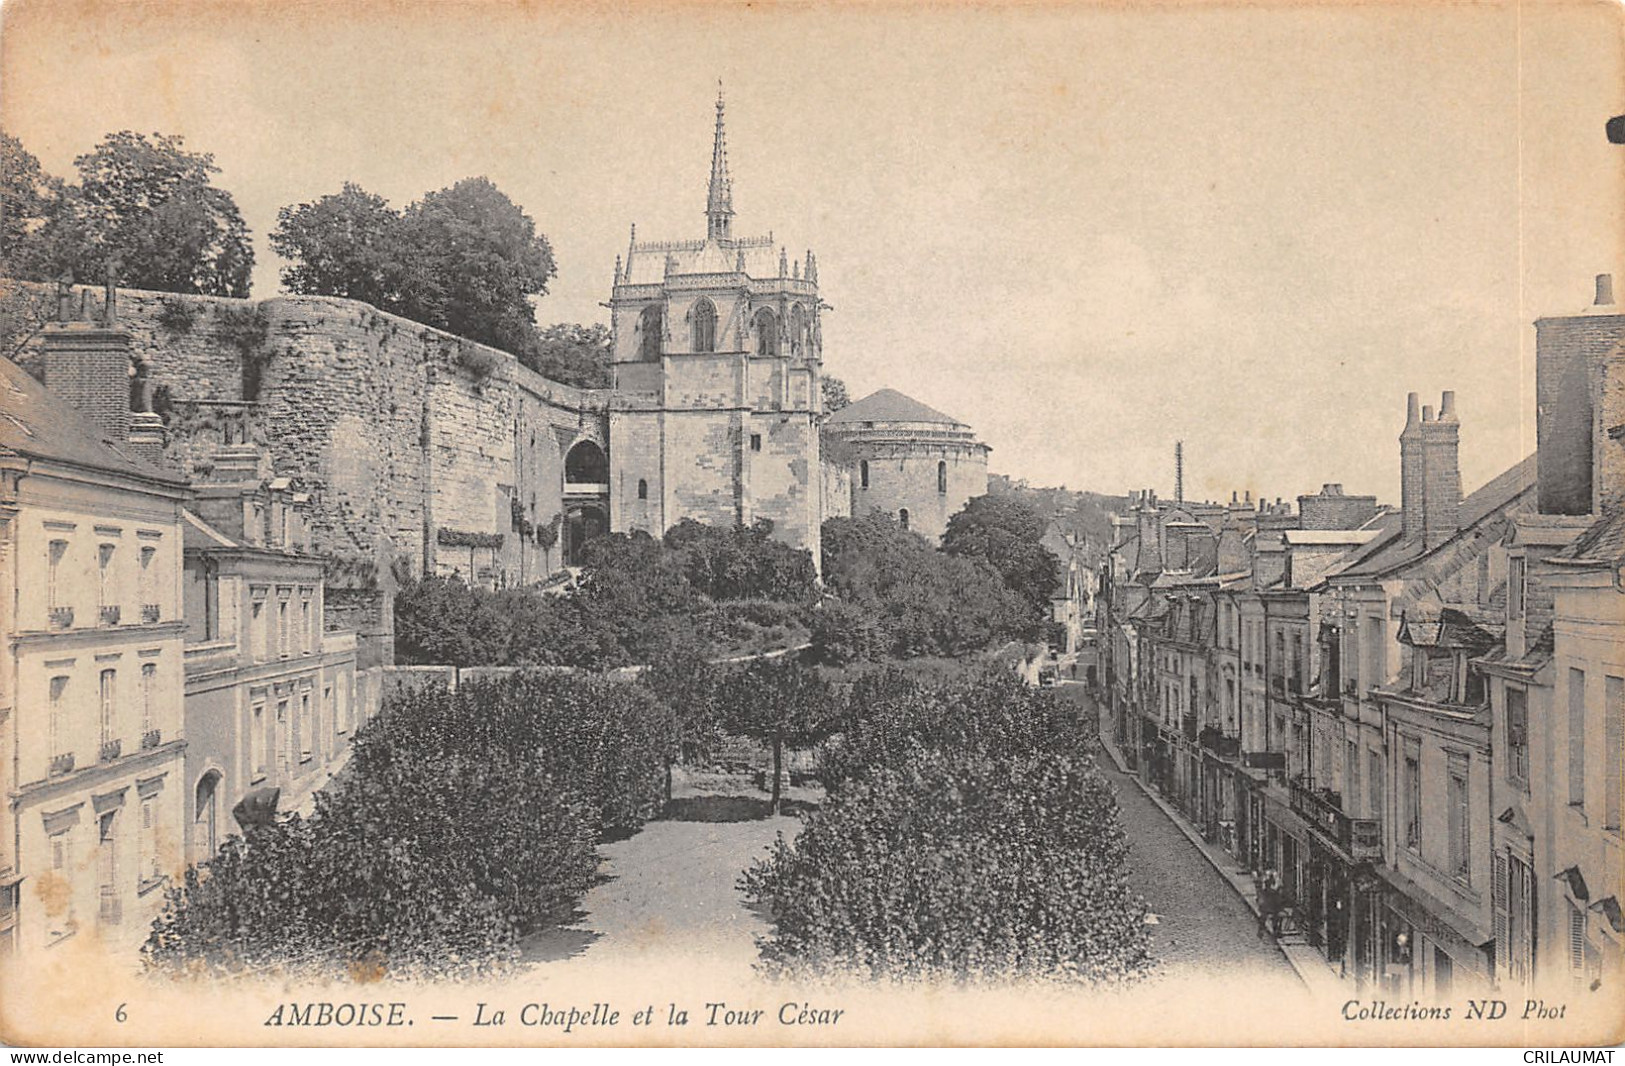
(272, 693)
(92, 757)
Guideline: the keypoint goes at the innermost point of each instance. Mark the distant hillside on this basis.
(1080, 512)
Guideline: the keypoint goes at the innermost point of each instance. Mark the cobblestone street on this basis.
(1203, 927)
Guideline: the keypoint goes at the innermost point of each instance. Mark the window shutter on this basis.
(1499, 896)
(1577, 940)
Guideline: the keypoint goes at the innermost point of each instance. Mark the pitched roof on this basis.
(1603, 543)
(1392, 549)
(889, 405)
(37, 423)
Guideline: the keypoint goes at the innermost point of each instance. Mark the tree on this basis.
(835, 394)
(571, 354)
(350, 243)
(781, 702)
(150, 207)
(687, 684)
(30, 201)
(465, 259)
(1005, 532)
(475, 259)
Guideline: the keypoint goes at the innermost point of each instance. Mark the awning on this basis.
(258, 808)
(1428, 913)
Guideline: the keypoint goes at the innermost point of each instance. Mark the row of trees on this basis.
(705, 589)
(467, 820)
(463, 822)
(966, 836)
(465, 258)
(700, 590)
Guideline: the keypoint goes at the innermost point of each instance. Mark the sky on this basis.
(1087, 230)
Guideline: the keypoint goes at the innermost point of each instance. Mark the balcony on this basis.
(1213, 739)
(110, 616)
(1187, 726)
(1322, 808)
(61, 617)
(150, 739)
(1264, 760)
(150, 613)
(62, 764)
(111, 749)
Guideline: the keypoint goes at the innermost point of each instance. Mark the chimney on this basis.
(1605, 290)
(87, 363)
(1430, 472)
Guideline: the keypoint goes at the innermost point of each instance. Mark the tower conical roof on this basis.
(889, 405)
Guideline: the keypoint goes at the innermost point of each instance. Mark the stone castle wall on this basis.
(397, 430)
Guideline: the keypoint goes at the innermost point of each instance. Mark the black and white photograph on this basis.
(535, 524)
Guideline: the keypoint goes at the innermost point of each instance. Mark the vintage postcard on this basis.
(700, 524)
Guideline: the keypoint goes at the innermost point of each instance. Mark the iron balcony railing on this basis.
(1323, 809)
(62, 764)
(111, 749)
(110, 615)
(150, 739)
(61, 617)
(150, 613)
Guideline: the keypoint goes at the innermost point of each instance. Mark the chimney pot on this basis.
(1447, 405)
(1412, 406)
(1605, 290)
(1427, 412)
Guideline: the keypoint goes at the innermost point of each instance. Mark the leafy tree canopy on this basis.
(466, 259)
(144, 204)
(1005, 532)
(571, 354)
(835, 394)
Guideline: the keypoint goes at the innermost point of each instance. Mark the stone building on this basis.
(718, 396)
(91, 755)
(272, 693)
(908, 460)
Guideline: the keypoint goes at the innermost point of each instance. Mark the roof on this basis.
(37, 423)
(1603, 543)
(198, 534)
(1392, 550)
(889, 405)
(647, 263)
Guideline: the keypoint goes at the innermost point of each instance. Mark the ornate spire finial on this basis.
(719, 203)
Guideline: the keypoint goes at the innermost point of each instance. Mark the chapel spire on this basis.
(719, 204)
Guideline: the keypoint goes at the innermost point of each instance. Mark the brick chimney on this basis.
(85, 354)
(1430, 472)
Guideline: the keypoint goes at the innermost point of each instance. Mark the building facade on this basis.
(93, 749)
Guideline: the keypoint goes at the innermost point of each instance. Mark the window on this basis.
(284, 636)
(259, 632)
(766, 324)
(256, 742)
(755, 442)
(1517, 734)
(149, 594)
(1613, 748)
(651, 324)
(1460, 824)
(863, 473)
(1351, 660)
(109, 695)
(1511, 904)
(942, 478)
(1413, 795)
(302, 729)
(902, 517)
(59, 716)
(1374, 783)
(1297, 663)
(286, 733)
(53, 572)
(1577, 738)
(149, 683)
(1376, 671)
(107, 867)
(150, 869)
(1515, 586)
(705, 326)
(643, 489)
(104, 558)
(306, 635)
(1351, 778)
(798, 331)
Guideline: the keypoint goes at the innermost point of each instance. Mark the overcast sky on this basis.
(1087, 231)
